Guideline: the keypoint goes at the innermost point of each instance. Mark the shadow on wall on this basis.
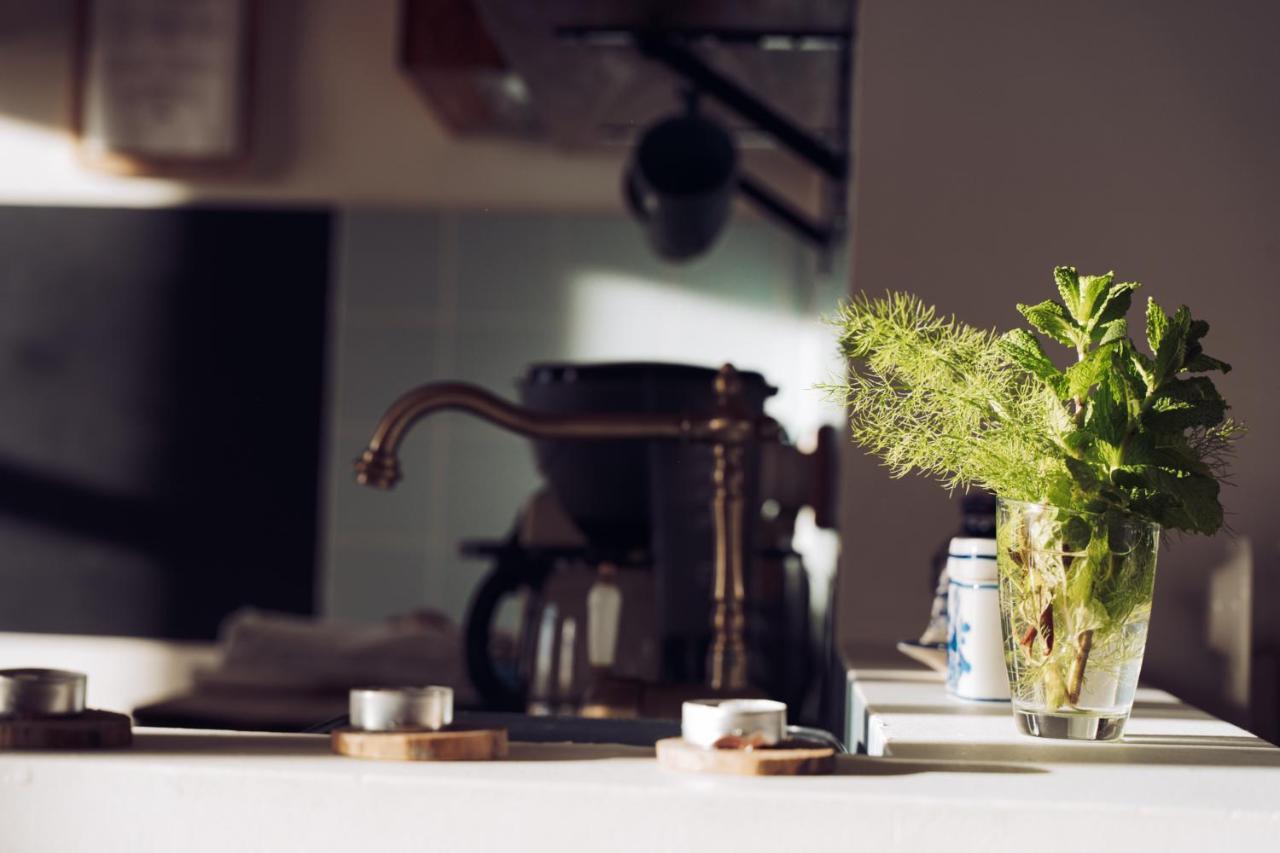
(1201, 643)
(160, 378)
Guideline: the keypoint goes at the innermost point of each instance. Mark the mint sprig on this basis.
(1140, 427)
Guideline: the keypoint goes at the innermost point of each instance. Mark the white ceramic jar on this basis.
(975, 646)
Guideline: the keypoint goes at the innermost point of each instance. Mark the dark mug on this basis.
(680, 184)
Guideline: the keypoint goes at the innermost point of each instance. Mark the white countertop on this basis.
(900, 709)
(959, 779)
(181, 790)
(1180, 773)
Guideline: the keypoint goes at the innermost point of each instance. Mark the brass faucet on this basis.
(728, 430)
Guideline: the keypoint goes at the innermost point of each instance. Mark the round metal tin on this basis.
(41, 692)
(756, 722)
(379, 709)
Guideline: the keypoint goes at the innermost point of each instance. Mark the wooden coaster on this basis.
(444, 745)
(87, 730)
(678, 754)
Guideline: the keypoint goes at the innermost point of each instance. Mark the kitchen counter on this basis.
(1185, 779)
(899, 709)
(1189, 784)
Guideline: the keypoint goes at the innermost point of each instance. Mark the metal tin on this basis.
(378, 709)
(45, 692)
(758, 722)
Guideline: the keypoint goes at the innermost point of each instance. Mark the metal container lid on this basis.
(41, 692)
(381, 709)
(762, 722)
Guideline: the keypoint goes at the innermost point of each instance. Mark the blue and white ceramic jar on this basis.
(975, 645)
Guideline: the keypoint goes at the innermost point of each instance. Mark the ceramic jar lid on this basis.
(972, 560)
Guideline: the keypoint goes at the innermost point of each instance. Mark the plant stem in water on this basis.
(1046, 627)
(1075, 678)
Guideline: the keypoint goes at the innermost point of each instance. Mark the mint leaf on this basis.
(1068, 281)
(1094, 292)
(1157, 325)
(1195, 332)
(1108, 416)
(1087, 477)
(1184, 403)
(1130, 371)
(1084, 374)
(1171, 350)
(1024, 350)
(1115, 303)
(1144, 366)
(1203, 364)
(1051, 319)
(1112, 332)
(1171, 453)
(1196, 361)
(1078, 441)
(1187, 502)
(1132, 477)
(1093, 301)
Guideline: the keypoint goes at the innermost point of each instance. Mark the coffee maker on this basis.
(656, 562)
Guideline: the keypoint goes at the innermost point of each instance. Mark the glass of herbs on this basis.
(1075, 601)
(1092, 452)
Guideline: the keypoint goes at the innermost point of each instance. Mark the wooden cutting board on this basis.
(449, 745)
(678, 754)
(87, 730)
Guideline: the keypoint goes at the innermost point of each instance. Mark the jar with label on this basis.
(975, 646)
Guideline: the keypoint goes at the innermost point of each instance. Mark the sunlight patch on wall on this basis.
(617, 317)
(38, 165)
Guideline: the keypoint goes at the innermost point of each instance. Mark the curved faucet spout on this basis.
(378, 465)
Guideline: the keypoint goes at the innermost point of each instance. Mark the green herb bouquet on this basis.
(1089, 461)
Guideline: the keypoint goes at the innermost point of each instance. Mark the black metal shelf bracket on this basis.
(670, 48)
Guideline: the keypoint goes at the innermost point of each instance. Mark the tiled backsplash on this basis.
(424, 296)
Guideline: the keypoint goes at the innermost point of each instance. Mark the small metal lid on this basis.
(48, 692)
(762, 722)
(380, 709)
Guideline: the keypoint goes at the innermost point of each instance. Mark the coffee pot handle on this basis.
(635, 197)
(508, 576)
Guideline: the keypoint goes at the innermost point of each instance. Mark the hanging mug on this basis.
(680, 184)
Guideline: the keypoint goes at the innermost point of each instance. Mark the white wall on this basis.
(998, 138)
(335, 121)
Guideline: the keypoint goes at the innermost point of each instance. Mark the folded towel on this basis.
(284, 651)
